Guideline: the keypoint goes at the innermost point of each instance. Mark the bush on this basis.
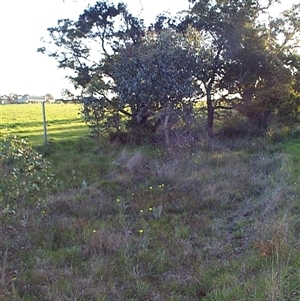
(25, 177)
(238, 126)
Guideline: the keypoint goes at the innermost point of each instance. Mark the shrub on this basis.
(238, 126)
(25, 177)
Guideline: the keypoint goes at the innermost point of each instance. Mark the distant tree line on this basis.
(9, 98)
(13, 98)
(218, 57)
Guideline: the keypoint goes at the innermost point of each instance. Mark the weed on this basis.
(157, 211)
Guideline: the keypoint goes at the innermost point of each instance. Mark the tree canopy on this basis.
(232, 54)
(247, 70)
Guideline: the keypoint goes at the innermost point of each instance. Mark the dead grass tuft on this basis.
(135, 162)
(165, 171)
(87, 202)
(268, 247)
(106, 241)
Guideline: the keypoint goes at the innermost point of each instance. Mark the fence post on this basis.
(44, 122)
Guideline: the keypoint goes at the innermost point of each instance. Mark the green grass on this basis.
(139, 223)
(26, 121)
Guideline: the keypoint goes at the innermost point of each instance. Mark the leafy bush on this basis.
(236, 126)
(25, 177)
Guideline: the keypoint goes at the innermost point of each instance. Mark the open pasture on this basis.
(26, 120)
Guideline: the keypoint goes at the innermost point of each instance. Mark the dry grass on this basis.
(201, 225)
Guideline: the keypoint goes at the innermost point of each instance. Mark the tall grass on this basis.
(136, 223)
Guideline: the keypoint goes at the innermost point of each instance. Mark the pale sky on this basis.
(22, 24)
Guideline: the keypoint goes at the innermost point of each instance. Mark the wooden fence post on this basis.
(45, 122)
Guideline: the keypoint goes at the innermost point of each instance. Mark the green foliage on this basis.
(252, 63)
(25, 177)
(150, 79)
(225, 51)
(94, 114)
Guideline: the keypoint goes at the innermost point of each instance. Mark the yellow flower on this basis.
(94, 231)
(141, 231)
(118, 200)
(150, 209)
(141, 210)
(150, 187)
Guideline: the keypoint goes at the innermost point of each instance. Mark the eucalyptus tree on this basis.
(126, 70)
(221, 24)
(287, 28)
(86, 47)
(266, 69)
(243, 67)
(156, 79)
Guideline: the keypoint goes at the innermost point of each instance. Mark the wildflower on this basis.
(150, 209)
(94, 231)
(141, 210)
(132, 193)
(141, 231)
(150, 187)
(118, 200)
(162, 185)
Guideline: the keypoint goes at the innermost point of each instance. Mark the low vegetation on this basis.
(128, 222)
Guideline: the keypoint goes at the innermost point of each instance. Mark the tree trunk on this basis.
(210, 114)
(166, 128)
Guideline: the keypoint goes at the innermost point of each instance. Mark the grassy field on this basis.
(26, 120)
(140, 223)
